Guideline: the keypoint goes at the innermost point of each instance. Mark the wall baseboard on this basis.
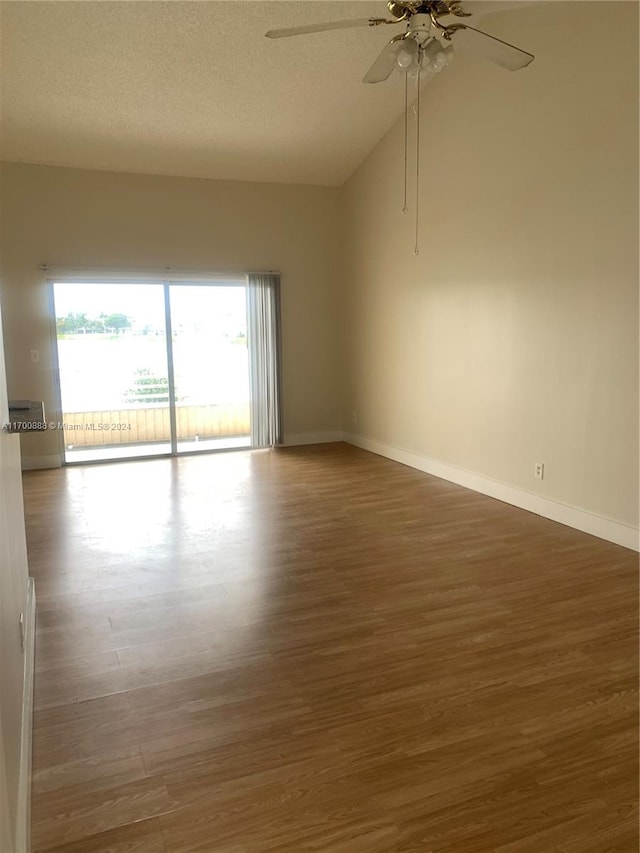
(571, 516)
(23, 816)
(298, 438)
(37, 463)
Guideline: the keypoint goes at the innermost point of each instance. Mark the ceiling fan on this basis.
(423, 49)
(427, 42)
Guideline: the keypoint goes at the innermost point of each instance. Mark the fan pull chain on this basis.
(417, 248)
(406, 136)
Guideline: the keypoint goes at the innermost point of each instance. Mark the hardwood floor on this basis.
(317, 649)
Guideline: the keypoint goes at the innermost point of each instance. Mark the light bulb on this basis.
(407, 54)
(438, 54)
(439, 62)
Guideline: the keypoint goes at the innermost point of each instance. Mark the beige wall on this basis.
(98, 219)
(13, 601)
(513, 336)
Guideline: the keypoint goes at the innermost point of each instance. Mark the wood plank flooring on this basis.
(318, 649)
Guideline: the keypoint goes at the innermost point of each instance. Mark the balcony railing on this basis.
(152, 424)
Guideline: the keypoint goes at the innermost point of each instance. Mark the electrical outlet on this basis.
(354, 417)
(35, 355)
(538, 471)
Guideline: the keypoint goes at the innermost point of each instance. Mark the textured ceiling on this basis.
(194, 88)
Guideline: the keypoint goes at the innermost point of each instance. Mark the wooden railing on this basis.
(151, 423)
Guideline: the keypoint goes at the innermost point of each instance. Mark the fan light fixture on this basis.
(433, 57)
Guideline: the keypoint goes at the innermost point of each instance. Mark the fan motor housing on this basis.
(401, 8)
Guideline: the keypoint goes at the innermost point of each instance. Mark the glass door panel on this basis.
(210, 366)
(112, 358)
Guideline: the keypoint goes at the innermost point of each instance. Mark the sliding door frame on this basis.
(176, 280)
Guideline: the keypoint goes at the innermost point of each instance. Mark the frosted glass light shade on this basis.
(407, 54)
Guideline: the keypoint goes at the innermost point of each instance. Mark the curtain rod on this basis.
(56, 268)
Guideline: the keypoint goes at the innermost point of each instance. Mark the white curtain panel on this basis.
(263, 325)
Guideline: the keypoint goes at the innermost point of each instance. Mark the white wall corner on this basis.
(579, 519)
(23, 816)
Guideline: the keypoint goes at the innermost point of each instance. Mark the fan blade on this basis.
(489, 47)
(320, 28)
(477, 9)
(383, 64)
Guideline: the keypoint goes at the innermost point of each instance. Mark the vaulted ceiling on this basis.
(194, 88)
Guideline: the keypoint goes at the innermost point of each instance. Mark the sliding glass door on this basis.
(210, 366)
(114, 379)
(151, 368)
